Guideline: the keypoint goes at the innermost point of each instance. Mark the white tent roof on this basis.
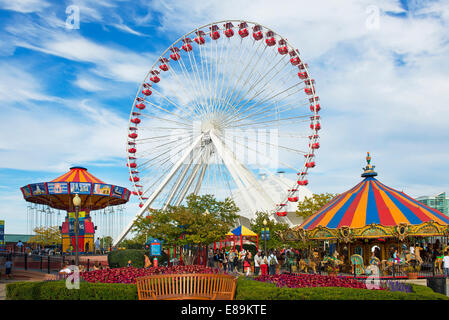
(276, 186)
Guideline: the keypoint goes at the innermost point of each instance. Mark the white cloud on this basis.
(89, 83)
(127, 29)
(115, 63)
(24, 6)
(13, 88)
(47, 142)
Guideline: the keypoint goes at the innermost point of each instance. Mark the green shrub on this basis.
(120, 258)
(246, 290)
(256, 290)
(56, 290)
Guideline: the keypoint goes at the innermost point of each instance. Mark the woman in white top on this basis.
(257, 263)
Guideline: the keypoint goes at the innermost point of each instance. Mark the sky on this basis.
(66, 88)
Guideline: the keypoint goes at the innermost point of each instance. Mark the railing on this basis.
(43, 263)
(427, 270)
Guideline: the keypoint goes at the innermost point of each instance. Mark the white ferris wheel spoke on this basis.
(159, 189)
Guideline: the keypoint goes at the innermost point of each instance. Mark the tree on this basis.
(275, 227)
(106, 242)
(310, 205)
(201, 221)
(131, 244)
(46, 236)
(275, 242)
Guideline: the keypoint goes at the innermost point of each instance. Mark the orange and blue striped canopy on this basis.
(369, 202)
(77, 174)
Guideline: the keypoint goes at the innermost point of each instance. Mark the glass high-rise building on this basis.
(439, 202)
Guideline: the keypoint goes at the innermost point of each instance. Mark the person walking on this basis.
(20, 246)
(272, 262)
(211, 258)
(242, 259)
(231, 259)
(257, 263)
(263, 264)
(216, 258)
(236, 261)
(147, 262)
(220, 259)
(446, 264)
(247, 264)
(8, 268)
(97, 246)
(225, 260)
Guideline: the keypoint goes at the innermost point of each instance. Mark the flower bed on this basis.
(311, 280)
(130, 274)
(257, 290)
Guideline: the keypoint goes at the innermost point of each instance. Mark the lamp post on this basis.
(265, 236)
(77, 204)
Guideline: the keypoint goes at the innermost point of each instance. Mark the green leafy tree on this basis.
(275, 228)
(131, 244)
(106, 242)
(275, 242)
(201, 221)
(46, 236)
(310, 205)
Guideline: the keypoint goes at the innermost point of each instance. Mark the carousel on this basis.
(58, 195)
(373, 224)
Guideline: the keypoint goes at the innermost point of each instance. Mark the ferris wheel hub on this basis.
(211, 124)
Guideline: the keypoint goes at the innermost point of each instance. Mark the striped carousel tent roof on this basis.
(369, 202)
(77, 174)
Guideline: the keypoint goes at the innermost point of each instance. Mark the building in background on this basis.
(439, 202)
(11, 241)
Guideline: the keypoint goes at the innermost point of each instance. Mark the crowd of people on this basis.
(244, 261)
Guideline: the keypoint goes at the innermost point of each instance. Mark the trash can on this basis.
(437, 284)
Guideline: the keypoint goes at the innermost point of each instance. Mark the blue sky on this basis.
(381, 69)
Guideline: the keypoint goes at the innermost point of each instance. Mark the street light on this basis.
(265, 236)
(77, 204)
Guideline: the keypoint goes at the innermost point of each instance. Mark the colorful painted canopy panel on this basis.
(94, 193)
(369, 202)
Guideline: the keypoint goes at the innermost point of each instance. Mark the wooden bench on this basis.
(196, 286)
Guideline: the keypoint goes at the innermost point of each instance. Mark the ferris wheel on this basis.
(224, 103)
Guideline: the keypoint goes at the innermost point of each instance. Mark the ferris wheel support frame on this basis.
(158, 190)
(249, 187)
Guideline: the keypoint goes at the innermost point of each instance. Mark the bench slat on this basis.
(187, 286)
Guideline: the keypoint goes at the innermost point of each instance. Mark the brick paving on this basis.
(19, 275)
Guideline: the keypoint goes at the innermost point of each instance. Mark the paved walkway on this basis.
(19, 275)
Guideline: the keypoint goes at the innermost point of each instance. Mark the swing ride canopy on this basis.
(58, 193)
(373, 210)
